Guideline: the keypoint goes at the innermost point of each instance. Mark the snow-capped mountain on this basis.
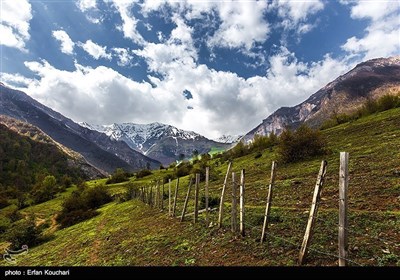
(162, 142)
(228, 139)
(96, 148)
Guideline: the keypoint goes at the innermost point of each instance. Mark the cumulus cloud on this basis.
(382, 36)
(15, 80)
(95, 50)
(123, 55)
(242, 22)
(129, 22)
(85, 5)
(111, 97)
(294, 14)
(67, 45)
(14, 26)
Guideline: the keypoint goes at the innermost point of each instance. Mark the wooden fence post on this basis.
(186, 200)
(234, 205)
(313, 212)
(151, 196)
(221, 202)
(169, 198)
(269, 201)
(157, 194)
(206, 193)
(196, 198)
(343, 203)
(175, 197)
(241, 203)
(162, 196)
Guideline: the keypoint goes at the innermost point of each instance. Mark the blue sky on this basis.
(214, 67)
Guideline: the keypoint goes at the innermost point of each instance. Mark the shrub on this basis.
(213, 201)
(258, 155)
(118, 176)
(23, 233)
(95, 197)
(71, 218)
(5, 223)
(300, 144)
(183, 169)
(143, 173)
(81, 205)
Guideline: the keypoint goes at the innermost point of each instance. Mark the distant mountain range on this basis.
(228, 139)
(162, 142)
(347, 93)
(97, 148)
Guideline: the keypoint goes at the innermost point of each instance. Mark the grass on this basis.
(132, 233)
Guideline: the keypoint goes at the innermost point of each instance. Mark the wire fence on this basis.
(327, 227)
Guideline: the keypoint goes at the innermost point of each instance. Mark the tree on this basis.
(195, 153)
(301, 144)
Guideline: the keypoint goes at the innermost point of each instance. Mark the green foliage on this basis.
(213, 201)
(258, 155)
(303, 143)
(25, 163)
(259, 144)
(24, 232)
(81, 205)
(5, 223)
(183, 169)
(46, 190)
(143, 173)
(118, 176)
(384, 103)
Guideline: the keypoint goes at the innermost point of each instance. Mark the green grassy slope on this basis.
(132, 233)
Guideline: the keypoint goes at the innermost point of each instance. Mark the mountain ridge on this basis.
(345, 94)
(160, 141)
(97, 148)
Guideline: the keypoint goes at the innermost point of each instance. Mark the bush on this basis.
(81, 205)
(384, 103)
(213, 201)
(23, 233)
(143, 173)
(258, 155)
(301, 144)
(118, 176)
(95, 197)
(183, 169)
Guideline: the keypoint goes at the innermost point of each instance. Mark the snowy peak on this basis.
(142, 137)
(163, 142)
(228, 139)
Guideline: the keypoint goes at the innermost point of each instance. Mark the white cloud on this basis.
(67, 46)
(15, 80)
(85, 5)
(124, 56)
(95, 50)
(243, 24)
(14, 26)
(382, 36)
(374, 9)
(129, 22)
(111, 97)
(295, 14)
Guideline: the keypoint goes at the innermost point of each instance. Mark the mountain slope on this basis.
(369, 79)
(133, 234)
(98, 149)
(75, 159)
(159, 141)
